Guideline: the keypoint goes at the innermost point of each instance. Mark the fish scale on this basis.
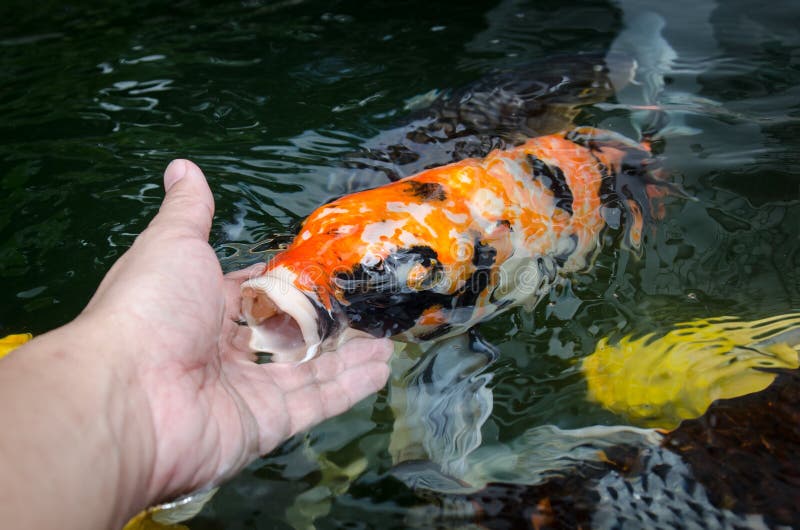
(663, 496)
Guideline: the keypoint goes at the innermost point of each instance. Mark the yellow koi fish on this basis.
(658, 381)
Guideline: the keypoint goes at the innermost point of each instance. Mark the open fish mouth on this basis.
(286, 321)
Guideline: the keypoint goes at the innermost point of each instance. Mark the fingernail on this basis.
(175, 171)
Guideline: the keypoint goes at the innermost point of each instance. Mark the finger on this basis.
(240, 342)
(247, 273)
(233, 289)
(328, 366)
(352, 354)
(188, 205)
(311, 404)
(235, 342)
(286, 399)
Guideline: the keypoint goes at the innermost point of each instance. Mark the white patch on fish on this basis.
(488, 204)
(376, 232)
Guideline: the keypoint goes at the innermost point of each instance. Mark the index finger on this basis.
(233, 289)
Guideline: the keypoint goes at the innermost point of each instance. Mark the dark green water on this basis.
(267, 96)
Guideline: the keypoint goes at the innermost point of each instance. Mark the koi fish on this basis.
(658, 381)
(721, 397)
(501, 109)
(432, 255)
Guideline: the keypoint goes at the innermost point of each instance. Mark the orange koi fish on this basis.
(434, 254)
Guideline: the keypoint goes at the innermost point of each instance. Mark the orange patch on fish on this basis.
(433, 254)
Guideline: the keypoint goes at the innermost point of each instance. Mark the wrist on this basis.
(126, 423)
(96, 444)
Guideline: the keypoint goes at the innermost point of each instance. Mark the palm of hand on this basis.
(212, 408)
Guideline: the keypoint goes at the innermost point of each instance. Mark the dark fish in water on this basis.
(503, 109)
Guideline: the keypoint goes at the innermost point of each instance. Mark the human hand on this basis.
(196, 408)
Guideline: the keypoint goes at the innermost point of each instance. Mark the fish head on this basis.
(368, 264)
(288, 316)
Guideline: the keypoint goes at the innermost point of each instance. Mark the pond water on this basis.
(269, 97)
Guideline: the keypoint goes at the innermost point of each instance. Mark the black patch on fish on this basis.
(615, 209)
(626, 183)
(554, 179)
(634, 176)
(427, 191)
(326, 324)
(506, 223)
(584, 140)
(548, 269)
(384, 314)
(478, 344)
(608, 192)
(379, 302)
(619, 185)
(425, 254)
(439, 331)
(483, 257)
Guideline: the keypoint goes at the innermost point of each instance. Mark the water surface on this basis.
(267, 97)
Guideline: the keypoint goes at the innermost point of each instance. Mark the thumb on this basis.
(188, 203)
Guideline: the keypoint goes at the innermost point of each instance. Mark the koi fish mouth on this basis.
(286, 322)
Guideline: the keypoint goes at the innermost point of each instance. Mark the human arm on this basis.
(151, 391)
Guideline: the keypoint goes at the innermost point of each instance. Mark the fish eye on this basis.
(422, 276)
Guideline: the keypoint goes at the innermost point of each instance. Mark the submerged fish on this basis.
(502, 109)
(434, 254)
(658, 381)
(726, 389)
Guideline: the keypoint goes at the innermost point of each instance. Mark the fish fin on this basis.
(183, 508)
(424, 475)
(442, 402)
(334, 480)
(478, 344)
(594, 138)
(642, 38)
(167, 516)
(10, 343)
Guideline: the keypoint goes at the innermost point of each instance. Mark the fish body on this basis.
(660, 380)
(434, 254)
(502, 109)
